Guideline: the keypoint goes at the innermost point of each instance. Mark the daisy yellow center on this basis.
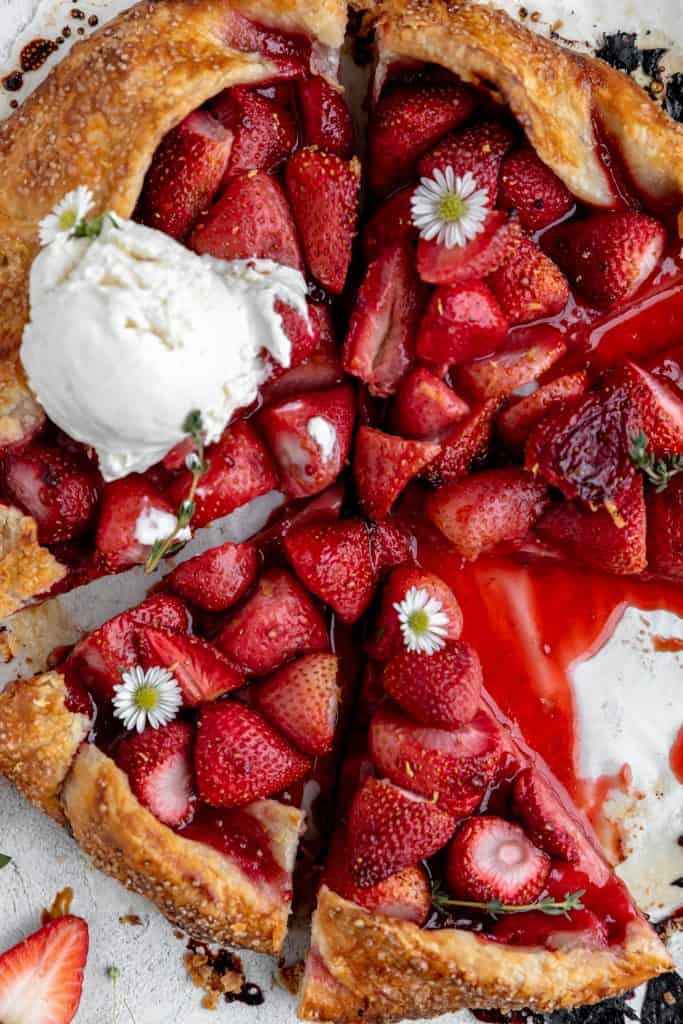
(419, 621)
(146, 698)
(451, 208)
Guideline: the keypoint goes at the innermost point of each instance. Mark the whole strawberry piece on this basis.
(323, 191)
(239, 758)
(326, 119)
(394, 631)
(158, 763)
(60, 492)
(532, 190)
(665, 531)
(467, 441)
(493, 859)
(383, 465)
(320, 369)
(133, 513)
(391, 544)
(201, 671)
(515, 423)
(425, 406)
(391, 224)
(264, 132)
(528, 285)
(607, 256)
(462, 322)
(443, 689)
(654, 408)
(217, 578)
(529, 352)
(186, 172)
(479, 150)
(476, 259)
(335, 563)
(390, 830)
(302, 701)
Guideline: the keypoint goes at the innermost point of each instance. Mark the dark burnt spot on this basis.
(652, 63)
(13, 82)
(673, 98)
(621, 51)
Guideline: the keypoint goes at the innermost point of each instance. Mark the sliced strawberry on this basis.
(335, 563)
(380, 343)
(476, 259)
(239, 758)
(665, 530)
(264, 132)
(405, 122)
(462, 321)
(309, 437)
(323, 191)
(466, 442)
(186, 172)
(479, 150)
(584, 930)
(277, 623)
(387, 639)
(240, 470)
(217, 578)
(528, 285)
(529, 352)
(486, 509)
(607, 256)
(425, 406)
(303, 334)
(443, 689)
(97, 660)
(251, 219)
(493, 859)
(611, 540)
(201, 671)
(406, 895)
(392, 224)
(60, 492)
(530, 189)
(383, 465)
(158, 763)
(390, 829)
(131, 507)
(320, 369)
(302, 701)
(654, 408)
(41, 978)
(326, 119)
(516, 422)
(451, 767)
(390, 545)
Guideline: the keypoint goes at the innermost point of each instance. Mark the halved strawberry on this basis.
(335, 563)
(239, 758)
(41, 978)
(390, 544)
(467, 441)
(380, 343)
(611, 540)
(665, 530)
(479, 150)
(240, 470)
(323, 191)
(320, 369)
(391, 224)
(302, 701)
(530, 189)
(528, 285)
(451, 767)
(607, 256)
(462, 321)
(476, 259)
(584, 930)
(201, 671)
(383, 465)
(251, 219)
(424, 405)
(303, 334)
(158, 763)
(60, 492)
(277, 623)
(653, 407)
(443, 689)
(528, 353)
(97, 660)
(309, 437)
(406, 895)
(493, 859)
(406, 121)
(217, 578)
(264, 132)
(326, 119)
(186, 172)
(387, 639)
(390, 829)
(486, 509)
(515, 423)
(127, 505)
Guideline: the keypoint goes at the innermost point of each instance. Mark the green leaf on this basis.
(5, 859)
(659, 472)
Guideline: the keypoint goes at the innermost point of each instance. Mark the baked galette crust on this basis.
(384, 969)
(26, 568)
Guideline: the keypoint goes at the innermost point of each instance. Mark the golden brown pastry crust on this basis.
(558, 95)
(39, 738)
(26, 568)
(196, 887)
(384, 970)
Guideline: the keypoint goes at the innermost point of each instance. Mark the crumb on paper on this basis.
(61, 906)
(218, 976)
(133, 919)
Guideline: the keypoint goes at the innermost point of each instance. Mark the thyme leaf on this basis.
(496, 908)
(5, 859)
(658, 471)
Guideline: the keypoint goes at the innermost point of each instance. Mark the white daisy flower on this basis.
(146, 696)
(69, 211)
(424, 624)
(449, 208)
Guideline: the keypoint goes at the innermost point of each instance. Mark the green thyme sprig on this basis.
(658, 471)
(496, 908)
(5, 859)
(198, 466)
(92, 228)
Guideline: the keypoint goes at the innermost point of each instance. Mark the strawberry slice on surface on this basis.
(326, 119)
(239, 758)
(528, 285)
(493, 859)
(390, 830)
(585, 930)
(264, 132)
(278, 622)
(390, 545)
(530, 189)
(334, 561)
(302, 701)
(424, 405)
(479, 150)
(387, 639)
(201, 671)
(131, 507)
(443, 689)
(186, 172)
(530, 351)
(515, 423)
(216, 579)
(665, 531)
(41, 978)
(158, 763)
(462, 321)
(653, 408)
(475, 260)
(323, 192)
(383, 465)
(391, 224)
(466, 442)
